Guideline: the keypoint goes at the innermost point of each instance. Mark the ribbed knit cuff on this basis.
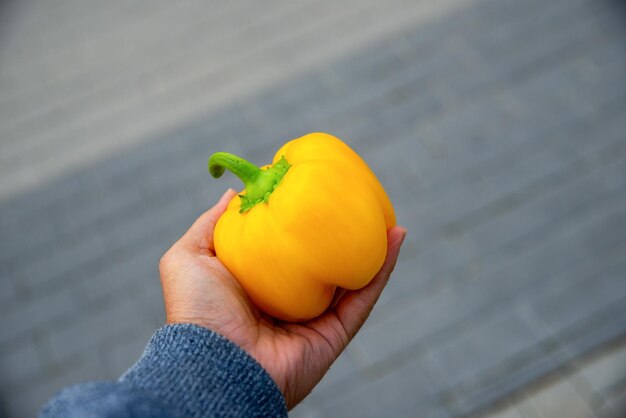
(199, 373)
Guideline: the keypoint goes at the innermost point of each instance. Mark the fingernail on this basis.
(226, 193)
(403, 236)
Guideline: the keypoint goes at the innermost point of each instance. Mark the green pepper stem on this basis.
(259, 184)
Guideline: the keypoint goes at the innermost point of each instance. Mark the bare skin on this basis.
(198, 289)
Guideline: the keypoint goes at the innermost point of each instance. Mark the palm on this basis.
(198, 289)
(298, 355)
(295, 355)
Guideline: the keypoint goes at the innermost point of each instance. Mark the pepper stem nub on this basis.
(259, 184)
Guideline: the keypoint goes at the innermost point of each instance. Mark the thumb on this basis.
(200, 235)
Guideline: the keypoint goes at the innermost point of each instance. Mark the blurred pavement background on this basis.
(498, 127)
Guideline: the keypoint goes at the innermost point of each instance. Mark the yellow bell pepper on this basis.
(314, 220)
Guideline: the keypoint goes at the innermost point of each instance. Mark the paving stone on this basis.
(93, 23)
(34, 313)
(28, 400)
(510, 412)
(517, 172)
(342, 375)
(88, 108)
(615, 401)
(44, 203)
(528, 55)
(469, 400)
(373, 397)
(552, 206)
(121, 353)
(19, 364)
(561, 309)
(444, 303)
(485, 345)
(605, 372)
(148, 222)
(192, 45)
(502, 32)
(7, 290)
(614, 406)
(303, 410)
(437, 308)
(23, 239)
(52, 267)
(415, 270)
(150, 306)
(366, 406)
(561, 399)
(343, 369)
(572, 199)
(602, 328)
(97, 204)
(116, 318)
(437, 214)
(569, 388)
(80, 78)
(120, 276)
(553, 258)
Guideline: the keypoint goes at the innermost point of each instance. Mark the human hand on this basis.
(198, 289)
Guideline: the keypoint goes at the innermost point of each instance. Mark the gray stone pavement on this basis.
(497, 127)
(591, 386)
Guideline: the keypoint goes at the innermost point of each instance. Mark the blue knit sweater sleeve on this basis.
(185, 371)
